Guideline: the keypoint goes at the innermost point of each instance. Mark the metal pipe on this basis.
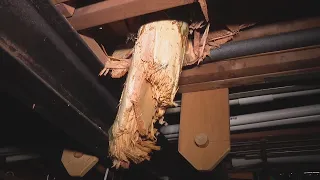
(169, 136)
(271, 97)
(8, 150)
(173, 110)
(172, 131)
(256, 99)
(172, 136)
(22, 157)
(276, 123)
(275, 115)
(293, 159)
(264, 44)
(173, 139)
(251, 100)
(275, 90)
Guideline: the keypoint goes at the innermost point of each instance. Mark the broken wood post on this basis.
(150, 88)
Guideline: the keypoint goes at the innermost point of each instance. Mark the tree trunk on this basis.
(150, 88)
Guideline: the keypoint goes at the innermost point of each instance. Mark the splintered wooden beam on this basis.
(250, 70)
(150, 88)
(114, 10)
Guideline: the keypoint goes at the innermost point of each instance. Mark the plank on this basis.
(253, 65)
(114, 10)
(205, 114)
(246, 80)
(250, 69)
(65, 9)
(76, 163)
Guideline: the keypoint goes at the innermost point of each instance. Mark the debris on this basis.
(204, 8)
(118, 66)
(202, 45)
(196, 25)
(203, 42)
(196, 43)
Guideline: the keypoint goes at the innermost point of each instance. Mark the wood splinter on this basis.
(150, 88)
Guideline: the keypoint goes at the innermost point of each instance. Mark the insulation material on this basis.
(207, 41)
(150, 88)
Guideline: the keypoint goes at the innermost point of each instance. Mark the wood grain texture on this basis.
(254, 65)
(205, 112)
(77, 164)
(65, 9)
(250, 69)
(114, 10)
(150, 88)
(241, 81)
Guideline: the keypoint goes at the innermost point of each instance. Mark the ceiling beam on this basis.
(251, 69)
(50, 76)
(114, 10)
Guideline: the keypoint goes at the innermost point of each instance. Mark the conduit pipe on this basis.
(256, 99)
(276, 123)
(242, 162)
(271, 97)
(263, 119)
(21, 157)
(275, 90)
(275, 115)
(296, 39)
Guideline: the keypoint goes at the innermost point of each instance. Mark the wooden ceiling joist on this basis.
(114, 10)
(250, 70)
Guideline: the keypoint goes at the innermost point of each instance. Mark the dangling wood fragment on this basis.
(204, 8)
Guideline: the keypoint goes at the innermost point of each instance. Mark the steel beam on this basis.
(49, 68)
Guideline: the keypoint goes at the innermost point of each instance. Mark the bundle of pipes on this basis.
(262, 119)
(264, 97)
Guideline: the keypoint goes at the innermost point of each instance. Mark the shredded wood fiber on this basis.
(150, 88)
